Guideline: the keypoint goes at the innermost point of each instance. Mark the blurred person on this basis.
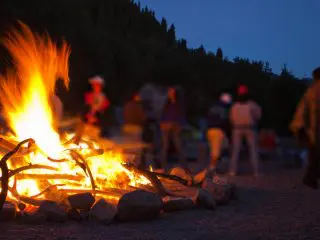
(244, 115)
(267, 142)
(305, 126)
(173, 119)
(218, 124)
(96, 105)
(95, 100)
(134, 122)
(134, 118)
(57, 110)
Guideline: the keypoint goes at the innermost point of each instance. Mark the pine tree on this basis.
(219, 53)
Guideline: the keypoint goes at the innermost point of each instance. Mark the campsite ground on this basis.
(275, 206)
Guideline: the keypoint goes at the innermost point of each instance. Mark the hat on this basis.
(96, 79)
(226, 98)
(242, 90)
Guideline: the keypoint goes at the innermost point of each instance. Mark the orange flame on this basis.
(25, 94)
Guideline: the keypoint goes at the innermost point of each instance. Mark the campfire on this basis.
(40, 164)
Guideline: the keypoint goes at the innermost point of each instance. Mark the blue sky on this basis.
(278, 31)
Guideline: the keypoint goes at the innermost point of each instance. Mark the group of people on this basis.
(233, 121)
(226, 121)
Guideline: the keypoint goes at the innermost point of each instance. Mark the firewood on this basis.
(48, 189)
(75, 155)
(111, 192)
(36, 176)
(5, 171)
(29, 167)
(152, 177)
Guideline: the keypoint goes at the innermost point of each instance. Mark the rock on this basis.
(103, 212)
(172, 204)
(205, 199)
(221, 193)
(9, 212)
(84, 214)
(180, 172)
(139, 205)
(81, 201)
(52, 211)
(33, 219)
(74, 214)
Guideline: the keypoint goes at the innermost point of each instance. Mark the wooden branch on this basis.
(24, 199)
(29, 167)
(47, 190)
(5, 171)
(49, 177)
(75, 155)
(109, 192)
(152, 177)
(172, 177)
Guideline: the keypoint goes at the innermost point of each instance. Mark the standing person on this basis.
(134, 121)
(96, 105)
(173, 119)
(134, 118)
(305, 126)
(218, 124)
(244, 115)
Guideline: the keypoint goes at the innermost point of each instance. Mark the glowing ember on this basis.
(25, 94)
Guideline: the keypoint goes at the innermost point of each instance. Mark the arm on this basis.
(257, 111)
(105, 104)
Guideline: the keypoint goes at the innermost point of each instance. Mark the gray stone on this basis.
(52, 211)
(172, 204)
(85, 214)
(139, 205)
(103, 212)
(221, 193)
(33, 219)
(8, 212)
(205, 199)
(81, 201)
(74, 214)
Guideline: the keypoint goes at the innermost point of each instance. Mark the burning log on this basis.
(152, 177)
(50, 176)
(48, 189)
(111, 192)
(24, 199)
(29, 167)
(5, 171)
(75, 155)
(173, 178)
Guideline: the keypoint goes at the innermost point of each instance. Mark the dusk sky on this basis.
(278, 31)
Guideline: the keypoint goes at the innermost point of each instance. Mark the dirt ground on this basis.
(276, 206)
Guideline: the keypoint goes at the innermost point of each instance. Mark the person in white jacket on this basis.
(244, 115)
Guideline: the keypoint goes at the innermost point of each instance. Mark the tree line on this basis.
(129, 47)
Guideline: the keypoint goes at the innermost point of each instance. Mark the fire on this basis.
(25, 93)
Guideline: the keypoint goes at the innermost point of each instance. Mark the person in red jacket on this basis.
(95, 109)
(96, 101)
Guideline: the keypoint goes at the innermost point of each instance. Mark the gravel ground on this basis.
(276, 206)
